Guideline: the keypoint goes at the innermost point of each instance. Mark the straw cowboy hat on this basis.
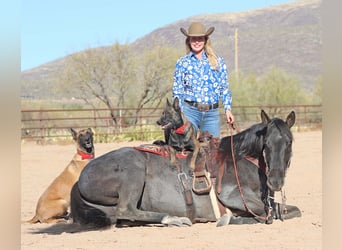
(197, 29)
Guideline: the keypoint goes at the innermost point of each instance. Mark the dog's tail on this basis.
(84, 214)
(35, 219)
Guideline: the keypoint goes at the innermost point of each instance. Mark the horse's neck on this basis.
(250, 141)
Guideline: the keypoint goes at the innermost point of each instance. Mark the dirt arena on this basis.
(41, 164)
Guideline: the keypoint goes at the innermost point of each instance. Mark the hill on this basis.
(288, 36)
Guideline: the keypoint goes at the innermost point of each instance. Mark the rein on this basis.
(239, 185)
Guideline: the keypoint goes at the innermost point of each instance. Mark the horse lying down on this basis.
(139, 187)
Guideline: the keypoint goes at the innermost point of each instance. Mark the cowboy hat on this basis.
(197, 29)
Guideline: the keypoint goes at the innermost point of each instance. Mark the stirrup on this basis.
(199, 179)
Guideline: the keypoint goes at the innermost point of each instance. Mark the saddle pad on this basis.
(160, 150)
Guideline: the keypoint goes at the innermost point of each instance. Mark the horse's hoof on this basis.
(175, 221)
(171, 221)
(269, 220)
(223, 220)
(186, 221)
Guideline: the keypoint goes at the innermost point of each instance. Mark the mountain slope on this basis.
(288, 36)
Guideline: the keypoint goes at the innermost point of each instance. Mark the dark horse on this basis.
(138, 187)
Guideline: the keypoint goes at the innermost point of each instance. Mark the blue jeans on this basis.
(205, 121)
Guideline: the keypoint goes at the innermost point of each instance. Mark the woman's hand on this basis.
(230, 117)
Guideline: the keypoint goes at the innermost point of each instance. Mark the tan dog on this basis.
(53, 204)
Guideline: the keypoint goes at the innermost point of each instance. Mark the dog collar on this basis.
(180, 130)
(85, 155)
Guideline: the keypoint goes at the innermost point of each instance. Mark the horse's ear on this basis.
(291, 119)
(264, 117)
(176, 104)
(73, 133)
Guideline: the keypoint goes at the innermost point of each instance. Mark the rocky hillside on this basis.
(288, 36)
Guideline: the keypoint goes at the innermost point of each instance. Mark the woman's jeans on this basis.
(205, 121)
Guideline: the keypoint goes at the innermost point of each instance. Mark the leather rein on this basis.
(267, 201)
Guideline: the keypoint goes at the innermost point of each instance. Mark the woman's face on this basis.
(197, 43)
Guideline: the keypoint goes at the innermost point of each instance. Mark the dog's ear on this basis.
(168, 102)
(176, 104)
(73, 133)
(90, 131)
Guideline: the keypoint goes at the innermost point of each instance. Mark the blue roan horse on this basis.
(136, 187)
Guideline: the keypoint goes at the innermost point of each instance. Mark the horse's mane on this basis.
(250, 141)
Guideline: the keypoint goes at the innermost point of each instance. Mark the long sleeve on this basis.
(178, 88)
(225, 91)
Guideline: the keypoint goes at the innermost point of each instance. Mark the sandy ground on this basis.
(41, 164)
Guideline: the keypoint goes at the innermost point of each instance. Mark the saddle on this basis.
(162, 150)
(201, 183)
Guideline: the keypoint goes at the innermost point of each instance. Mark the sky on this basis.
(54, 29)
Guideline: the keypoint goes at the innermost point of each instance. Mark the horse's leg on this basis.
(237, 220)
(224, 219)
(133, 214)
(127, 208)
(86, 214)
(136, 215)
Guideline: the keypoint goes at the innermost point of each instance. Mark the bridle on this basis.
(270, 195)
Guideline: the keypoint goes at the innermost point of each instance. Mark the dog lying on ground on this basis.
(179, 133)
(53, 204)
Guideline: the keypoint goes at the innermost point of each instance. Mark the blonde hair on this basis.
(207, 48)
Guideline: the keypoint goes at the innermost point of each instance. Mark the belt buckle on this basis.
(203, 107)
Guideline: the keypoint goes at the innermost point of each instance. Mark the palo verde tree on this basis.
(154, 76)
(273, 88)
(276, 87)
(100, 74)
(318, 92)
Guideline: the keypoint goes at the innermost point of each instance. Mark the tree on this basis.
(318, 91)
(155, 76)
(277, 88)
(103, 73)
(243, 88)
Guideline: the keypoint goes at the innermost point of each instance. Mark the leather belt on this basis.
(202, 106)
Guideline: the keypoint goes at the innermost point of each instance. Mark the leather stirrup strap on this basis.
(187, 193)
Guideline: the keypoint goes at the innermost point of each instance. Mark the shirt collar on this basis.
(204, 54)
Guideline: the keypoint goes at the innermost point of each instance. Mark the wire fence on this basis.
(126, 124)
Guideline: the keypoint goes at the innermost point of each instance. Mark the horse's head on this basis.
(277, 148)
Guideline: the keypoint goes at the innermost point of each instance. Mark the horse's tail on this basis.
(85, 214)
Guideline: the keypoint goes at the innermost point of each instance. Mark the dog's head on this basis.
(84, 140)
(171, 117)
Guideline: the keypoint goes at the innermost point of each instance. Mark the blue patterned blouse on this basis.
(195, 80)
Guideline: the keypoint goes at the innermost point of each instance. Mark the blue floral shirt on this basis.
(195, 80)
